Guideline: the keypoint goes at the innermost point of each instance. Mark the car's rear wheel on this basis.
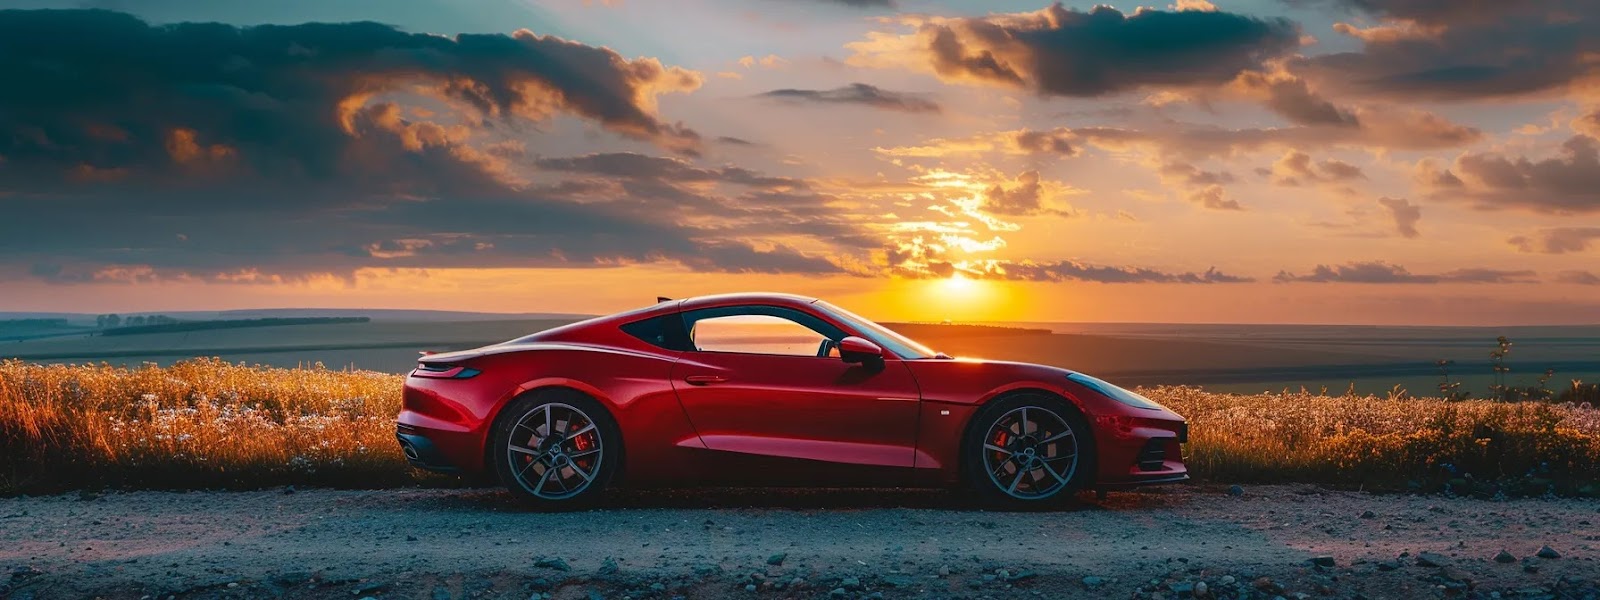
(1028, 449)
(556, 449)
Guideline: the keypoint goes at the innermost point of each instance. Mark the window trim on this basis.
(767, 310)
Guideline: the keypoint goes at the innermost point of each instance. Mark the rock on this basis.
(1182, 588)
(797, 583)
(1530, 568)
(1235, 491)
(1453, 574)
(1323, 561)
(1227, 580)
(608, 566)
(552, 563)
(838, 593)
(1429, 559)
(1093, 583)
(1388, 565)
(776, 560)
(851, 583)
(370, 587)
(1547, 552)
(1022, 575)
(1504, 557)
(1367, 514)
(1267, 585)
(944, 570)
(1200, 589)
(748, 588)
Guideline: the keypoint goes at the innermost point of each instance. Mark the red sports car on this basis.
(772, 389)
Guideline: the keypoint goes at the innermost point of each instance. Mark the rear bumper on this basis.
(421, 452)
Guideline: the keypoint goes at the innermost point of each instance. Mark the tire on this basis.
(566, 471)
(1056, 442)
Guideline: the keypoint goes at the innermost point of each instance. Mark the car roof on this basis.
(768, 298)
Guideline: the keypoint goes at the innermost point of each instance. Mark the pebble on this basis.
(747, 588)
(1235, 491)
(1367, 514)
(1200, 589)
(777, 559)
(1504, 557)
(944, 570)
(552, 563)
(1547, 552)
(1429, 559)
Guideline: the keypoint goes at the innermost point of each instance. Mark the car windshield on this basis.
(883, 336)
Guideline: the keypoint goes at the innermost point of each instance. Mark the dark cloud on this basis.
(1390, 128)
(1568, 183)
(1059, 51)
(1027, 198)
(109, 97)
(1296, 168)
(632, 165)
(1293, 99)
(1065, 270)
(862, 94)
(1381, 272)
(1462, 50)
(1214, 197)
(855, 3)
(1404, 214)
(1557, 240)
(1578, 278)
(206, 152)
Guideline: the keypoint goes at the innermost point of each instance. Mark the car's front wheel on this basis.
(556, 450)
(1028, 449)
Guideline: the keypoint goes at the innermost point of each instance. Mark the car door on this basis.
(763, 382)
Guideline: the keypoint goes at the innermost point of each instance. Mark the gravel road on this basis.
(440, 544)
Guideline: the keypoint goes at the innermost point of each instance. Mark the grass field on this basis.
(208, 424)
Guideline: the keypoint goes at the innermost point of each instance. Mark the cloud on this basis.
(1019, 142)
(856, 3)
(1578, 278)
(282, 100)
(1054, 271)
(1291, 98)
(1438, 50)
(1025, 199)
(1404, 214)
(1296, 168)
(1568, 183)
(1379, 272)
(1214, 197)
(631, 165)
(862, 94)
(1059, 51)
(1557, 240)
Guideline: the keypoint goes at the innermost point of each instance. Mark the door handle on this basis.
(705, 379)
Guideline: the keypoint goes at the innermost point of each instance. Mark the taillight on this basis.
(443, 371)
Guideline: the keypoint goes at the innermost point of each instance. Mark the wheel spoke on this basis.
(1024, 420)
(1018, 480)
(583, 453)
(521, 450)
(543, 477)
(1052, 472)
(586, 429)
(548, 424)
(1064, 434)
(996, 449)
(587, 476)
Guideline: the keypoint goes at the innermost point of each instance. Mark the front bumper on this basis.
(1141, 451)
(420, 451)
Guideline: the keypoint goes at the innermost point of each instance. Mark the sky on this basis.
(1411, 162)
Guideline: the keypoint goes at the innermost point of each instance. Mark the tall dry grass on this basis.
(208, 424)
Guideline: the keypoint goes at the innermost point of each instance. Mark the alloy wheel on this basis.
(555, 451)
(1030, 453)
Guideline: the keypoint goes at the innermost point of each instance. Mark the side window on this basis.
(665, 331)
(761, 330)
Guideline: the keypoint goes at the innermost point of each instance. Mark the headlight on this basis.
(1115, 393)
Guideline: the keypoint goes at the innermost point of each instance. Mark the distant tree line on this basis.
(113, 320)
(131, 327)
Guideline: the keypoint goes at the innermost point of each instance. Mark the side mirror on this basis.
(859, 350)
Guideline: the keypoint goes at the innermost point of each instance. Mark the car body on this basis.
(867, 407)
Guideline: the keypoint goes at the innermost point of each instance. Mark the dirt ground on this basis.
(1288, 541)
